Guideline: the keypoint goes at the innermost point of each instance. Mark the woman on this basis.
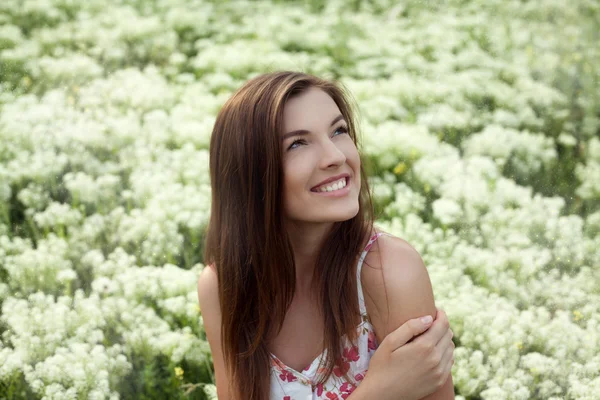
(291, 225)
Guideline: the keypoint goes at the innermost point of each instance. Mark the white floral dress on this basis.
(289, 384)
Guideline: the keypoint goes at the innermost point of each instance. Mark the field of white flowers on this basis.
(481, 126)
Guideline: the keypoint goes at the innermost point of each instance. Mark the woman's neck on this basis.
(306, 240)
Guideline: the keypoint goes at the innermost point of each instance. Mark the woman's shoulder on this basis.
(386, 246)
(392, 260)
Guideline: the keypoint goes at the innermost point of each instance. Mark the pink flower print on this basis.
(372, 240)
(319, 389)
(287, 376)
(346, 389)
(287, 397)
(351, 353)
(372, 341)
(279, 366)
(332, 396)
(339, 371)
(359, 377)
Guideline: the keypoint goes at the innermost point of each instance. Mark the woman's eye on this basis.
(341, 128)
(294, 142)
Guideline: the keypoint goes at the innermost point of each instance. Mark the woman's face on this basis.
(324, 151)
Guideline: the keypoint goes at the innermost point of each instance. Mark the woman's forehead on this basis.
(313, 108)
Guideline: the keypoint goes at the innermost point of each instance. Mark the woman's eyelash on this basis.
(341, 128)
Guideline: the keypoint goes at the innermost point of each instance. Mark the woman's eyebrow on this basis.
(304, 131)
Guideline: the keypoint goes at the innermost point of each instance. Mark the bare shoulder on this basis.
(208, 288)
(396, 284)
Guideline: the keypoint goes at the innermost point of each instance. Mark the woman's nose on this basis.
(332, 155)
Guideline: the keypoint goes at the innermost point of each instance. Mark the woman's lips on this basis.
(336, 193)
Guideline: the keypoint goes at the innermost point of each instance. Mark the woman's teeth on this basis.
(331, 187)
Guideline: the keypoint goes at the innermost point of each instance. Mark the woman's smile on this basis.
(335, 193)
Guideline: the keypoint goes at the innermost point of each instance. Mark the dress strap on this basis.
(361, 298)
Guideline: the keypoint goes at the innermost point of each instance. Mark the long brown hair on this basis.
(248, 245)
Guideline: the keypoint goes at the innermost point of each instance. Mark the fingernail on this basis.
(427, 320)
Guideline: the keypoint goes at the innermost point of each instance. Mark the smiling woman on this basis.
(291, 225)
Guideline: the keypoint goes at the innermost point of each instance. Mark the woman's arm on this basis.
(398, 289)
(208, 299)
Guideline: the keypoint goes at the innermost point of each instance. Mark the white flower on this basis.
(447, 211)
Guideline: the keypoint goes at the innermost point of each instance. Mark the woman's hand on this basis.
(413, 361)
